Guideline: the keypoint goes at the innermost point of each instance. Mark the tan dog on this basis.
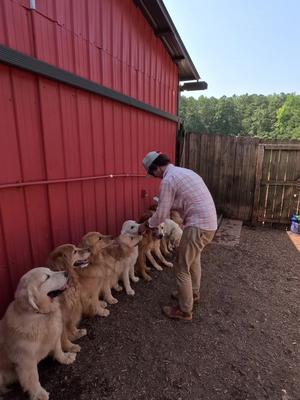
(174, 214)
(69, 258)
(149, 246)
(176, 217)
(93, 278)
(116, 260)
(31, 329)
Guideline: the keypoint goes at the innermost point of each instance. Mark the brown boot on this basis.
(196, 297)
(176, 313)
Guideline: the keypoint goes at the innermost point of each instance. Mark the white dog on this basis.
(172, 236)
(131, 227)
(31, 329)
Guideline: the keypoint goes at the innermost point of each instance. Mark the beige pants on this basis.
(188, 264)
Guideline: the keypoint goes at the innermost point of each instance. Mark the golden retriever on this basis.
(149, 246)
(69, 258)
(31, 329)
(131, 227)
(93, 278)
(117, 260)
(172, 237)
(110, 263)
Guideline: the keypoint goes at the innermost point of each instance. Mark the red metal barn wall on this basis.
(54, 132)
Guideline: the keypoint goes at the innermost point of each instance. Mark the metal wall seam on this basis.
(27, 63)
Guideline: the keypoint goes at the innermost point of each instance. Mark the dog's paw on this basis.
(75, 348)
(169, 264)
(147, 278)
(135, 279)
(113, 300)
(68, 358)
(80, 333)
(103, 303)
(41, 394)
(158, 268)
(104, 312)
(130, 292)
(118, 288)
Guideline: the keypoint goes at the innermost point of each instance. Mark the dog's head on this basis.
(131, 227)
(68, 256)
(95, 241)
(129, 240)
(38, 289)
(159, 231)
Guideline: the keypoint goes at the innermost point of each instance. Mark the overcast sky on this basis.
(241, 46)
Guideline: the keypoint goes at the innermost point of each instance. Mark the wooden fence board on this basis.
(250, 179)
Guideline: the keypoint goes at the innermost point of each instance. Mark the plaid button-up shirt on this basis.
(183, 190)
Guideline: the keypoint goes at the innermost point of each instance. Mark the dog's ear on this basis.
(32, 299)
(58, 261)
(40, 303)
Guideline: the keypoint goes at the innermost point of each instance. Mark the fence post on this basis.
(258, 175)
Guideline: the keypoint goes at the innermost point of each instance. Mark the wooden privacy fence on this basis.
(250, 179)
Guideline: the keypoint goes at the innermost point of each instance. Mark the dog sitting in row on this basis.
(93, 278)
(113, 263)
(69, 258)
(31, 329)
(150, 247)
(132, 228)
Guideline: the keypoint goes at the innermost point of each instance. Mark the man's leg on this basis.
(202, 239)
(187, 254)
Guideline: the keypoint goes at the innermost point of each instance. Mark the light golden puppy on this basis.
(69, 258)
(172, 237)
(93, 278)
(150, 247)
(116, 262)
(131, 227)
(31, 329)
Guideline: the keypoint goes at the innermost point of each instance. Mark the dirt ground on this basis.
(243, 342)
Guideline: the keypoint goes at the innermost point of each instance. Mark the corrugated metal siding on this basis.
(51, 131)
(109, 42)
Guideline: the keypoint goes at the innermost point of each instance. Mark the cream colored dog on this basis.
(172, 237)
(31, 329)
(131, 227)
(116, 260)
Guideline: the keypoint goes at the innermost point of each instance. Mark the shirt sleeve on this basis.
(166, 200)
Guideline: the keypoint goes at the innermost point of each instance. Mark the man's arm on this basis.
(166, 200)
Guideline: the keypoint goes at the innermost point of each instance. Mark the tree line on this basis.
(275, 116)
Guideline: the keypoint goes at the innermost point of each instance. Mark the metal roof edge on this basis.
(157, 15)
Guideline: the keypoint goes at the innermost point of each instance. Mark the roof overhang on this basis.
(158, 17)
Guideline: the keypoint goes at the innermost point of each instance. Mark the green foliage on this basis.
(288, 118)
(273, 116)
